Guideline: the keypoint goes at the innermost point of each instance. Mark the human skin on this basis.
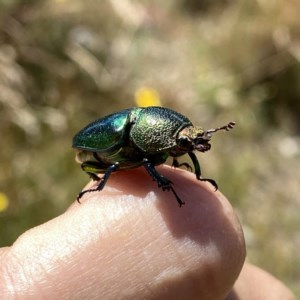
(132, 241)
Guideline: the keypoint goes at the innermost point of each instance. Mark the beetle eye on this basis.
(184, 142)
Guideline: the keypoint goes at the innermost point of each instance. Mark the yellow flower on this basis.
(146, 96)
(4, 202)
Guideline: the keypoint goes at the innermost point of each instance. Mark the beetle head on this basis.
(196, 138)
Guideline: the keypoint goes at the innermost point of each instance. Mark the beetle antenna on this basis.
(227, 127)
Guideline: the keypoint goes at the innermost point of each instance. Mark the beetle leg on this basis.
(102, 182)
(198, 170)
(196, 165)
(176, 164)
(162, 181)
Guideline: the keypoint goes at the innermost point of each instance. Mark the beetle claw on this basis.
(102, 180)
(162, 182)
(211, 181)
(81, 194)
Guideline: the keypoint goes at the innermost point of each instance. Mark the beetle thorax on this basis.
(193, 138)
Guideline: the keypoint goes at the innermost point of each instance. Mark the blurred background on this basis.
(64, 63)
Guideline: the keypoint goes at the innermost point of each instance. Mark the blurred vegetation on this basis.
(64, 63)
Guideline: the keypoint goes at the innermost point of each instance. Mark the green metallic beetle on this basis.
(141, 137)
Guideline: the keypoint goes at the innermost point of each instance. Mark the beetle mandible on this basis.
(141, 137)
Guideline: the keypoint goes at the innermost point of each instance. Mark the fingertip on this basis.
(205, 231)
